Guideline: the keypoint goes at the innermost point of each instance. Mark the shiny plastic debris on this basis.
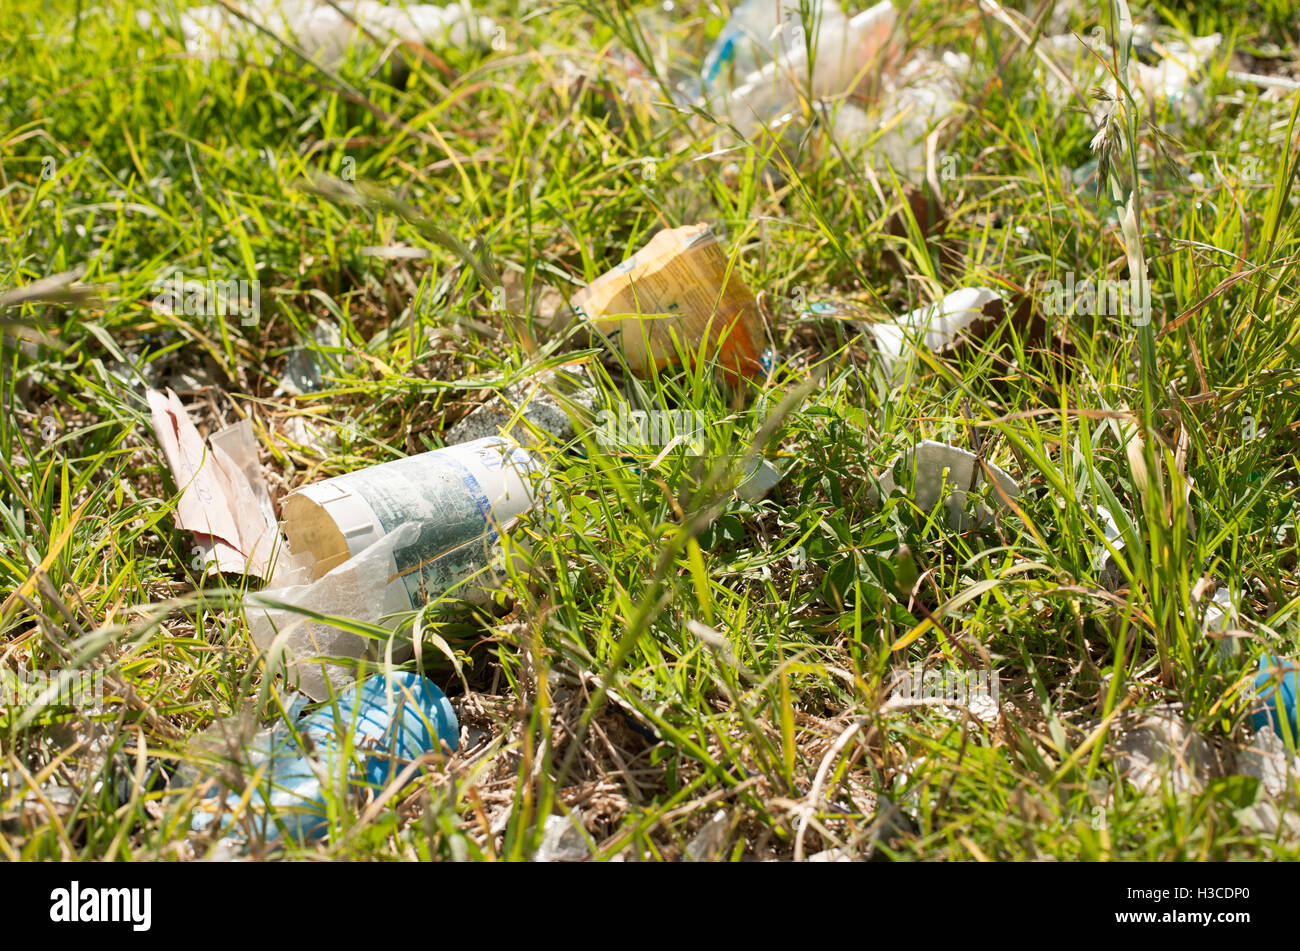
(539, 409)
(366, 737)
(1268, 760)
(761, 32)
(1174, 78)
(914, 103)
(324, 31)
(563, 840)
(1162, 746)
(939, 326)
(1221, 619)
(760, 478)
(948, 473)
(846, 48)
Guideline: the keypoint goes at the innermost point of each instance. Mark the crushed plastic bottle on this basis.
(844, 50)
(369, 734)
(386, 540)
(760, 32)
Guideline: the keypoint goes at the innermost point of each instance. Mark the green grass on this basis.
(551, 159)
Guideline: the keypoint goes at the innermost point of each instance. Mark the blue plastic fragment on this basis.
(1279, 699)
(723, 52)
(391, 722)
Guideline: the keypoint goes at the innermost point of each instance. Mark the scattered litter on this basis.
(1277, 684)
(359, 589)
(546, 401)
(224, 499)
(709, 842)
(758, 71)
(388, 721)
(761, 32)
(395, 252)
(914, 102)
(1111, 576)
(459, 497)
(1162, 745)
(1173, 78)
(682, 284)
(845, 47)
(325, 30)
(563, 840)
(309, 432)
(941, 468)
(386, 540)
(1264, 817)
(1268, 82)
(1277, 769)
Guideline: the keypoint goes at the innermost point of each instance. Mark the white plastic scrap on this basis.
(913, 103)
(1163, 745)
(941, 467)
(562, 840)
(349, 591)
(832, 855)
(758, 72)
(1104, 561)
(1276, 768)
(845, 48)
(761, 32)
(759, 479)
(709, 842)
(1221, 618)
(939, 326)
(325, 31)
(1173, 80)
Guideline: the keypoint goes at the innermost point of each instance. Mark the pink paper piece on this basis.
(219, 502)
